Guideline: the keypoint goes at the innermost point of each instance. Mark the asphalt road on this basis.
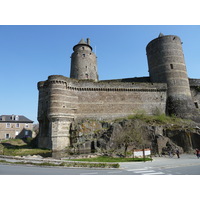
(186, 165)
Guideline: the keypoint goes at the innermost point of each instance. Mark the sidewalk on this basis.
(164, 162)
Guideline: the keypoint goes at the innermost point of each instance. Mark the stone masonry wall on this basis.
(111, 99)
(62, 99)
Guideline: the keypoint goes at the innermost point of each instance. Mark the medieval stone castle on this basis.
(167, 89)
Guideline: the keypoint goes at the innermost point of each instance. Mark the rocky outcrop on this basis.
(103, 136)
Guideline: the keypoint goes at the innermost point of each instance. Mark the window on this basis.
(26, 125)
(17, 125)
(26, 133)
(171, 65)
(8, 125)
(7, 135)
(83, 55)
(16, 133)
(86, 75)
(196, 104)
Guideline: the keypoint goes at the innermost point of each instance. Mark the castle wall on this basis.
(112, 99)
(195, 91)
(63, 99)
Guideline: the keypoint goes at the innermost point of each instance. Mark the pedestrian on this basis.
(170, 154)
(197, 153)
(177, 153)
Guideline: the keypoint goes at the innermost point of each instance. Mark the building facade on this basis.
(167, 89)
(15, 126)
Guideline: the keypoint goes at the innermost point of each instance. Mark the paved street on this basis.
(186, 165)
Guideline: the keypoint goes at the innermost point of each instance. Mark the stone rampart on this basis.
(103, 99)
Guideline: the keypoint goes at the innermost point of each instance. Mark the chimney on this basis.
(13, 117)
(88, 41)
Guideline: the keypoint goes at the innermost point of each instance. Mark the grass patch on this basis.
(18, 147)
(160, 119)
(24, 151)
(68, 164)
(111, 159)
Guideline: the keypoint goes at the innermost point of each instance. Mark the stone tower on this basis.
(83, 62)
(166, 64)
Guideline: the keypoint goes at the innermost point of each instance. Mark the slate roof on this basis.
(82, 42)
(14, 118)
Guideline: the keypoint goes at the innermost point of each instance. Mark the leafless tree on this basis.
(128, 135)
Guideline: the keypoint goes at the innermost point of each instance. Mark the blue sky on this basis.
(29, 54)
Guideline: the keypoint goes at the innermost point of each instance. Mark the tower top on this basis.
(83, 43)
(161, 35)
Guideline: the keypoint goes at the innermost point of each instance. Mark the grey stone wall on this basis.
(61, 100)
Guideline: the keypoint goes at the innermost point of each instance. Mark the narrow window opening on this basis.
(83, 55)
(196, 104)
(86, 75)
(7, 136)
(171, 65)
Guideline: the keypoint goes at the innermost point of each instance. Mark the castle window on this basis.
(86, 75)
(196, 104)
(17, 125)
(83, 55)
(171, 65)
(83, 48)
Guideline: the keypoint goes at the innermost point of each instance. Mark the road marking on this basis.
(144, 171)
(91, 173)
(154, 173)
(114, 172)
(137, 169)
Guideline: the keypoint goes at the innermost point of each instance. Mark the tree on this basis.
(128, 134)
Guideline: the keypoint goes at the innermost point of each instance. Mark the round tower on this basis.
(83, 62)
(166, 64)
